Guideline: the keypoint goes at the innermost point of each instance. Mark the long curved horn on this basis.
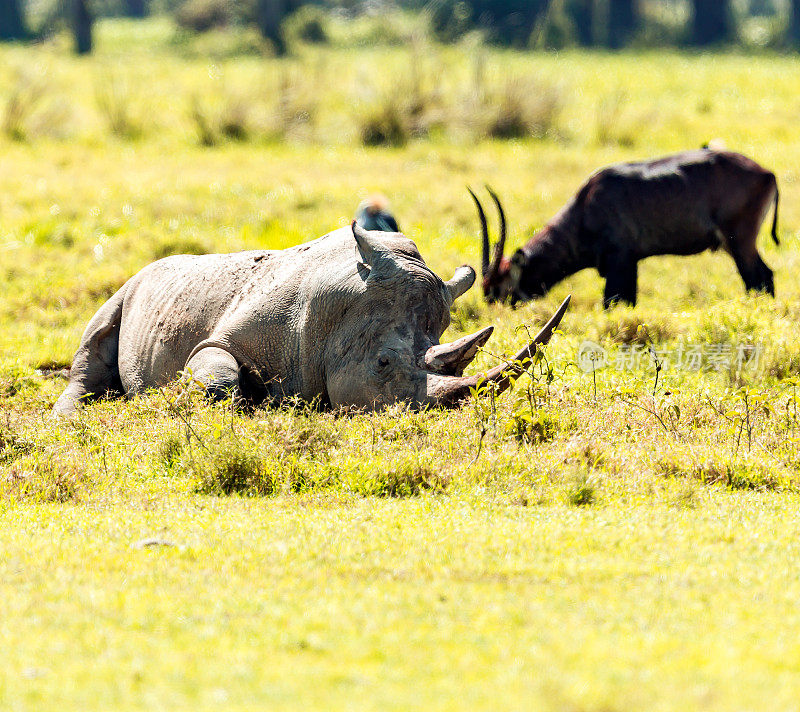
(500, 247)
(449, 391)
(451, 359)
(484, 234)
(462, 280)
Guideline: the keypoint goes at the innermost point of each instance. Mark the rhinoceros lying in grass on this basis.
(352, 322)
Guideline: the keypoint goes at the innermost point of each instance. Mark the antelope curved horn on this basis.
(484, 234)
(499, 248)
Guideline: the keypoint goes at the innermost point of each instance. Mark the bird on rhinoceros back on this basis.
(350, 319)
(373, 214)
(681, 204)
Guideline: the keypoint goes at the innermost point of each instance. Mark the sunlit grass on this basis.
(617, 540)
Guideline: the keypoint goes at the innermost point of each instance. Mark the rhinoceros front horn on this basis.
(451, 359)
(448, 391)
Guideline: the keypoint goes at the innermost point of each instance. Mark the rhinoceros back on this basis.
(174, 304)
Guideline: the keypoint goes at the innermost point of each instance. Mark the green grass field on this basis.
(602, 541)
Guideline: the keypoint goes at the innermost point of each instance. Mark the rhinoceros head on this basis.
(386, 345)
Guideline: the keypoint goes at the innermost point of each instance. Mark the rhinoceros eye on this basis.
(383, 362)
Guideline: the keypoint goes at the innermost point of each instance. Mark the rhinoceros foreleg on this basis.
(218, 372)
(95, 370)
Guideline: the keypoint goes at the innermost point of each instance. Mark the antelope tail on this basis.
(775, 218)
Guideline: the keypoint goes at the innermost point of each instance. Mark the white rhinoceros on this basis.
(352, 319)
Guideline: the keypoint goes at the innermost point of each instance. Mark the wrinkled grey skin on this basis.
(352, 319)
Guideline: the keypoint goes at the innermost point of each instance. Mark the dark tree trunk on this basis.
(11, 25)
(81, 27)
(136, 8)
(270, 14)
(582, 14)
(794, 23)
(711, 22)
(622, 21)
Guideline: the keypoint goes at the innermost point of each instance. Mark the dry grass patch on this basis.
(741, 474)
(46, 477)
(410, 477)
(630, 327)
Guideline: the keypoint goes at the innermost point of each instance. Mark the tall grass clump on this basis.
(205, 124)
(118, 104)
(289, 451)
(170, 449)
(25, 99)
(533, 426)
(735, 474)
(227, 117)
(386, 123)
(522, 108)
(293, 111)
(233, 468)
(624, 325)
(513, 107)
(615, 128)
(412, 107)
(179, 245)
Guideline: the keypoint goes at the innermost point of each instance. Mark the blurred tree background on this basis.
(544, 24)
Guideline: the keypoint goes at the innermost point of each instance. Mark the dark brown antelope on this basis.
(677, 205)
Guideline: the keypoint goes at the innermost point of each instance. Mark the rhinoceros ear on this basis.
(376, 255)
(462, 280)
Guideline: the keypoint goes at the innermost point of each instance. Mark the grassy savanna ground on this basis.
(606, 543)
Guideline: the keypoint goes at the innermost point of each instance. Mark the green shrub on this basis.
(308, 24)
(233, 469)
(533, 426)
(581, 490)
(385, 124)
(12, 445)
(204, 15)
(408, 478)
(170, 449)
(522, 109)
